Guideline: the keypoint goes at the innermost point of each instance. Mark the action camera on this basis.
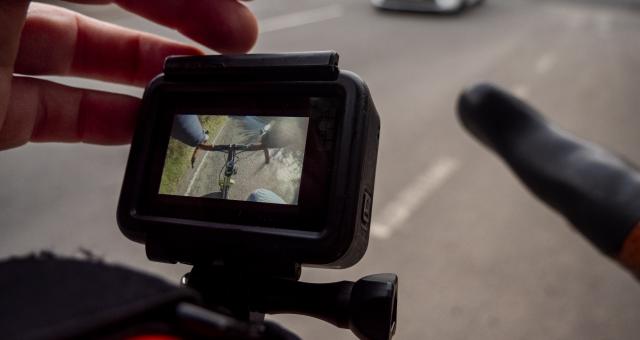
(259, 157)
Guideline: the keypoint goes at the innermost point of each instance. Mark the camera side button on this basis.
(367, 203)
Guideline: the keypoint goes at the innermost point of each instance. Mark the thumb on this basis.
(12, 17)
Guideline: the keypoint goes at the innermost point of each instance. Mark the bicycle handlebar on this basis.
(237, 147)
(598, 192)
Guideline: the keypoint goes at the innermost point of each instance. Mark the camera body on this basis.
(318, 129)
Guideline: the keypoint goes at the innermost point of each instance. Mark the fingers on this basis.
(597, 191)
(494, 116)
(223, 25)
(61, 42)
(12, 14)
(43, 111)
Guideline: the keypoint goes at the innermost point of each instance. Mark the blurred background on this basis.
(477, 256)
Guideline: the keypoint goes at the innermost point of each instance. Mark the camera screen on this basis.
(243, 158)
(232, 157)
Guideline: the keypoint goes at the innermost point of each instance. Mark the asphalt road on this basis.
(478, 258)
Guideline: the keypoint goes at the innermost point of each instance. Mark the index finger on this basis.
(223, 25)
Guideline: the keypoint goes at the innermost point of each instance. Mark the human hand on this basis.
(39, 39)
(595, 189)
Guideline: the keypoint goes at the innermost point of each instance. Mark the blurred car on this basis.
(437, 6)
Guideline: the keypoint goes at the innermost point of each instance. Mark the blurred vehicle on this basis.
(435, 6)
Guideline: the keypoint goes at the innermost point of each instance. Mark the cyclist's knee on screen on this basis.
(188, 130)
(265, 196)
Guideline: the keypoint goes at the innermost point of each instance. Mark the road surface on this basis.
(477, 256)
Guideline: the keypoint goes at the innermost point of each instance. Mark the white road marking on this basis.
(193, 178)
(300, 18)
(395, 215)
(521, 91)
(204, 158)
(545, 63)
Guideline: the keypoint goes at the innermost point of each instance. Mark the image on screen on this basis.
(243, 158)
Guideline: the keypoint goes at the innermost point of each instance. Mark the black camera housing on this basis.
(330, 226)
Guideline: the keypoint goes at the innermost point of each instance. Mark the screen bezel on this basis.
(166, 101)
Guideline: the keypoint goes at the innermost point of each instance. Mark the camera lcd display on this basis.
(187, 177)
(242, 158)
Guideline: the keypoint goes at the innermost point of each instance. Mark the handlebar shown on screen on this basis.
(597, 191)
(232, 147)
(237, 147)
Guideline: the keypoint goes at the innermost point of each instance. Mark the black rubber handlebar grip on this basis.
(597, 191)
